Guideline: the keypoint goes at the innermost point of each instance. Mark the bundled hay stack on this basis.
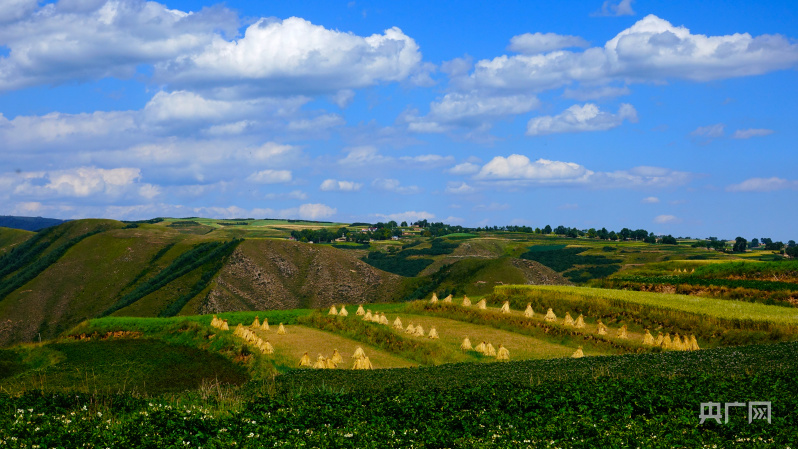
(622, 332)
(529, 313)
(502, 353)
(693, 343)
(490, 350)
(480, 348)
(466, 345)
(360, 311)
(384, 319)
(331, 364)
(434, 299)
(666, 342)
(580, 322)
(215, 322)
(358, 353)
(333, 311)
(648, 339)
(482, 304)
(397, 324)
(466, 301)
(419, 331)
(505, 307)
(321, 363)
(677, 343)
(305, 361)
(433, 333)
(367, 316)
(568, 321)
(256, 323)
(343, 311)
(550, 316)
(601, 328)
(224, 326)
(578, 354)
(448, 299)
(336, 357)
(265, 325)
(268, 348)
(239, 331)
(410, 329)
(281, 329)
(363, 363)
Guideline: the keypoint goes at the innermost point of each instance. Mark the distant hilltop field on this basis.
(71, 271)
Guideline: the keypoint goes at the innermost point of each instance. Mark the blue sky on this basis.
(675, 117)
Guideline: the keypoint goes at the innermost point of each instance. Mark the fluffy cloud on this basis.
(312, 211)
(763, 185)
(580, 118)
(612, 8)
(66, 41)
(330, 185)
(517, 166)
(529, 43)
(466, 168)
(393, 185)
(458, 188)
(517, 169)
(470, 109)
(270, 177)
(296, 56)
(650, 200)
(651, 50)
(751, 132)
(78, 182)
(292, 195)
(667, 219)
(363, 155)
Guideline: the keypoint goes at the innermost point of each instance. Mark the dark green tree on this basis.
(740, 244)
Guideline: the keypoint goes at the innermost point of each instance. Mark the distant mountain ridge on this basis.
(28, 223)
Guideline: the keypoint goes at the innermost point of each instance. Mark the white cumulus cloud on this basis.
(580, 118)
(329, 185)
(666, 219)
(529, 43)
(270, 176)
(763, 185)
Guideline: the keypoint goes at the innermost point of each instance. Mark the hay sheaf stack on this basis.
(434, 299)
(580, 322)
(343, 311)
(505, 307)
(305, 361)
(529, 313)
(433, 333)
(360, 311)
(568, 321)
(622, 333)
(503, 353)
(410, 329)
(466, 301)
(397, 324)
(601, 328)
(550, 316)
(264, 326)
(361, 360)
(281, 329)
(419, 331)
(578, 353)
(482, 304)
(333, 311)
(466, 345)
(367, 316)
(448, 299)
(648, 339)
(490, 350)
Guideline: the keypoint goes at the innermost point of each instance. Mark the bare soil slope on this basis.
(277, 274)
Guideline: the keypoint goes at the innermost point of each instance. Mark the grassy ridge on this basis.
(199, 255)
(720, 321)
(37, 266)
